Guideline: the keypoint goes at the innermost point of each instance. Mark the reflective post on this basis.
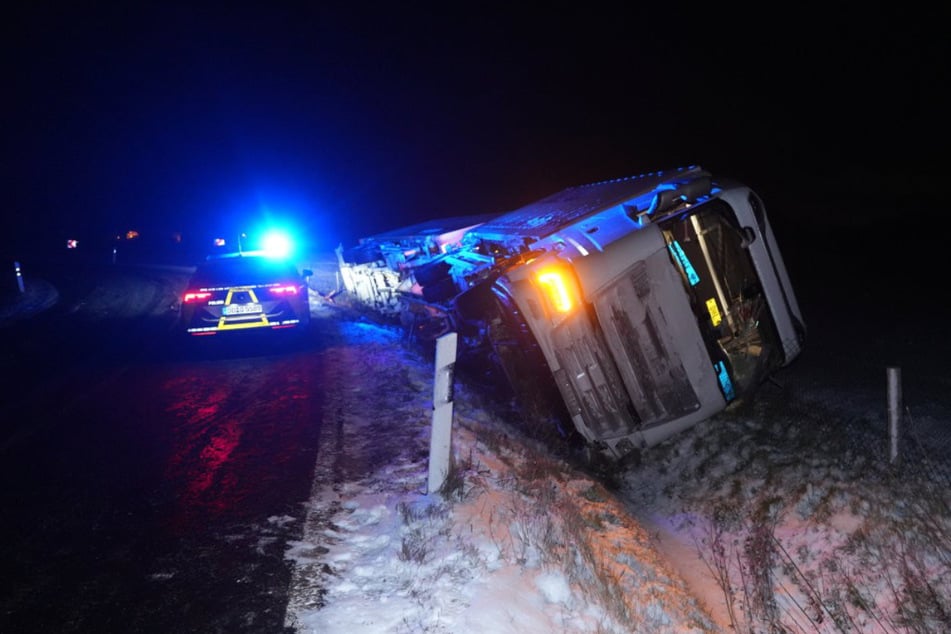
(894, 411)
(441, 438)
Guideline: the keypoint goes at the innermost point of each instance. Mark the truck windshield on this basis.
(710, 250)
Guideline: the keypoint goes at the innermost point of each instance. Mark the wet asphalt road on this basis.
(149, 486)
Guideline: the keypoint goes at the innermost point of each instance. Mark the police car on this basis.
(245, 291)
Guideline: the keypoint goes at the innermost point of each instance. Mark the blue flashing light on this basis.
(726, 385)
(685, 264)
(277, 244)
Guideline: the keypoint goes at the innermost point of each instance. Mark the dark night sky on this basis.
(346, 122)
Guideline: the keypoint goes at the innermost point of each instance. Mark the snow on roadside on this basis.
(780, 513)
(519, 543)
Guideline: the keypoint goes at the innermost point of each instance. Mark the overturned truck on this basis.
(639, 306)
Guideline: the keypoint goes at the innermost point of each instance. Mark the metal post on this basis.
(441, 438)
(894, 410)
(19, 275)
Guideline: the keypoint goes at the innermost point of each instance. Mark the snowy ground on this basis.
(518, 542)
(784, 515)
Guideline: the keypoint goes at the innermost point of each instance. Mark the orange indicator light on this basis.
(554, 284)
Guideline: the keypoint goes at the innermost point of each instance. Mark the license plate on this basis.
(241, 309)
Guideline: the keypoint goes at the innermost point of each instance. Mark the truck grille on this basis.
(619, 367)
(589, 380)
(647, 359)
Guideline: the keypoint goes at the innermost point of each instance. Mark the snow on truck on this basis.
(638, 306)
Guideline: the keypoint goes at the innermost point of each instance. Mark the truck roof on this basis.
(434, 227)
(546, 216)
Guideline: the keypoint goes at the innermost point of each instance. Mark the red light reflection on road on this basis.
(213, 456)
(239, 437)
(210, 437)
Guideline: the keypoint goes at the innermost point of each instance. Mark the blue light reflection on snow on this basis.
(366, 332)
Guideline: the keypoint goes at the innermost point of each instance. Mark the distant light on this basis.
(72, 244)
(219, 242)
(131, 234)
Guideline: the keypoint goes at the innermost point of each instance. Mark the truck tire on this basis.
(543, 413)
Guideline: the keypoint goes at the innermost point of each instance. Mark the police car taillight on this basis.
(195, 296)
(284, 290)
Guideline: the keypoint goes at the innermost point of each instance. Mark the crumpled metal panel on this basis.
(375, 286)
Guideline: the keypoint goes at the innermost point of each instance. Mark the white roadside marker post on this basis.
(893, 375)
(441, 438)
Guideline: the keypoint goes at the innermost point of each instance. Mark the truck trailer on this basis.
(636, 307)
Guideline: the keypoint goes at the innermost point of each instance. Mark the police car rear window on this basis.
(243, 270)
